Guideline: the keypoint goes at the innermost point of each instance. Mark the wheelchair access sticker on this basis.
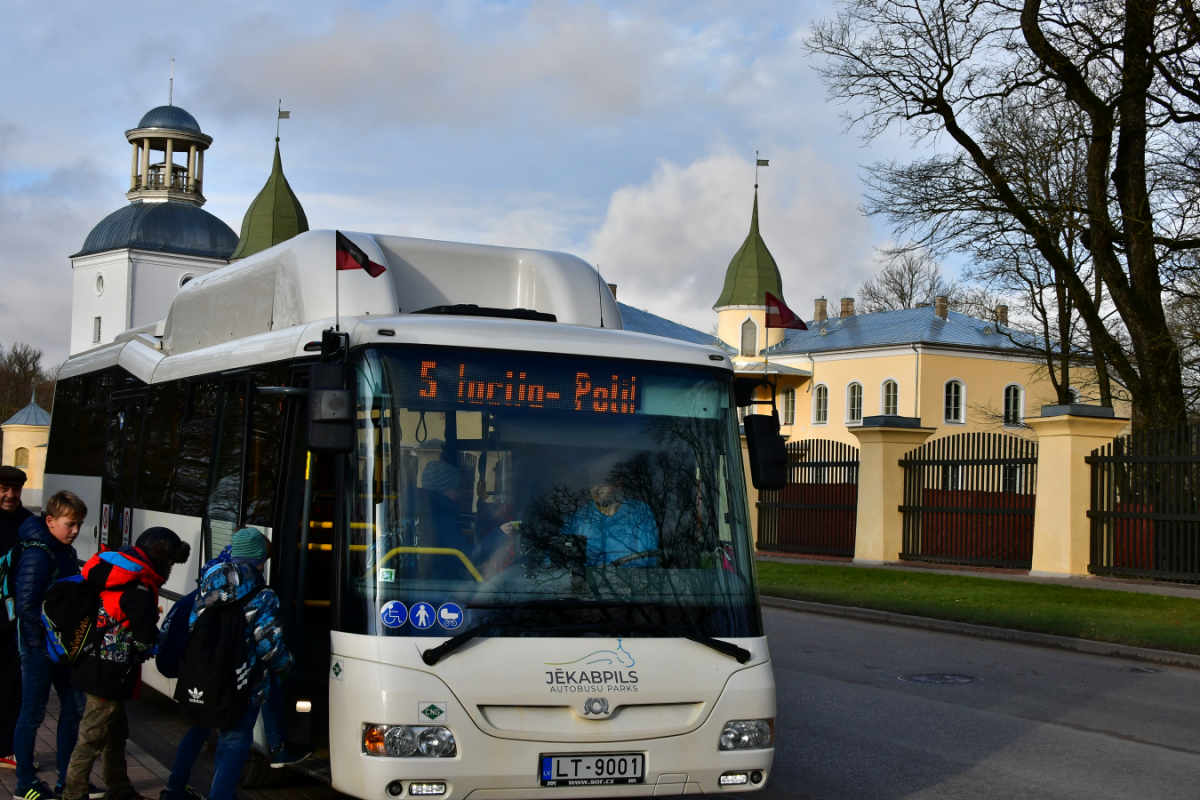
(393, 614)
(450, 616)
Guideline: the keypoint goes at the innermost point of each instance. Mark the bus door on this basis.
(122, 451)
(223, 508)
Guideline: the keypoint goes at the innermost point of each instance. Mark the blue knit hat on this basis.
(438, 476)
(249, 543)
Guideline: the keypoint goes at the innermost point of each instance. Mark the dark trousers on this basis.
(10, 689)
(103, 731)
(38, 675)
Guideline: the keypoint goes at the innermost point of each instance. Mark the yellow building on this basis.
(25, 437)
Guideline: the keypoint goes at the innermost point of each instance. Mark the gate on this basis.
(1145, 513)
(817, 510)
(969, 499)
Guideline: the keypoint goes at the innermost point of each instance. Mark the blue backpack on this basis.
(8, 581)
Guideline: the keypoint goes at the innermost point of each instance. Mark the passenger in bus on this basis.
(12, 514)
(615, 527)
(437, 523)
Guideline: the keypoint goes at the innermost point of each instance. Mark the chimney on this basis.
(941, 306)
(821, 313)
(1001, 315)
(847, 306)
(612, 287)
(924, 305)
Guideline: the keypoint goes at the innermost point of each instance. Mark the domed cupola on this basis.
(168, 130)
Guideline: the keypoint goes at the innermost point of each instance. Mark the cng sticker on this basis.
(336, 669)
(432, 710)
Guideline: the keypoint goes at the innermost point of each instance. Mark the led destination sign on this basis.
(575, 388)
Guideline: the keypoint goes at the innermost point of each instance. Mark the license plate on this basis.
(593, 769)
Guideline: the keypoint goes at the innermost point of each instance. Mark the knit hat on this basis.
(438, 476)
(164, 548)
(249, 543)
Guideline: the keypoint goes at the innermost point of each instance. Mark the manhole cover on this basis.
(1145, 670)
(939, 678)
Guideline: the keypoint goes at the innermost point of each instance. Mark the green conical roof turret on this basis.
(752, 272)
(275, 215)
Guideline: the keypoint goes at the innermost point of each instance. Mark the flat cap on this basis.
(11, 476)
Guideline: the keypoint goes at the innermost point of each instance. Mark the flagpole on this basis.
(337, 287)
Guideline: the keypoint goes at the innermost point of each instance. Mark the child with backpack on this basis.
(126, 584)
(46, 556)
(235, 643)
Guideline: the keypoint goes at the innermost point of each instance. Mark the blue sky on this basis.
(623, 132)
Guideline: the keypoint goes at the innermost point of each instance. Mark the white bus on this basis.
(526, 570)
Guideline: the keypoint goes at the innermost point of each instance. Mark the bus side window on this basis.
(265, 449)
(160, 445)
(225, 488)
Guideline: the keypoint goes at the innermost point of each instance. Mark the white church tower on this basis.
(135, 261)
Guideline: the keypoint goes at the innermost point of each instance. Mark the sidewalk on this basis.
(1164, 588)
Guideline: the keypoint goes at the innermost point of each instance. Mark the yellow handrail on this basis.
(432, 551)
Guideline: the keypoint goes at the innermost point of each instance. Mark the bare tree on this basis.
(1120, 72)
(909, 276)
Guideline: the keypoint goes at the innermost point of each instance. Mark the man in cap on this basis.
(12, 514)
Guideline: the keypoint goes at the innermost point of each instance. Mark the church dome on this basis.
(171, 118)
(275, 215)
(752, 272)
(170, 227)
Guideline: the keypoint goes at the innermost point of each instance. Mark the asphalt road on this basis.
(1036, 723)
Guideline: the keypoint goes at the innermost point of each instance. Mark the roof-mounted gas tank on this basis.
(295, 282)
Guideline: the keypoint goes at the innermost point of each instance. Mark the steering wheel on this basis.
(631, 557)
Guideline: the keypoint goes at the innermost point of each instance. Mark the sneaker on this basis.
(289, 754)
(8, 762)
(93, 792)
(128, 794)
(188, 793)
(38, 791)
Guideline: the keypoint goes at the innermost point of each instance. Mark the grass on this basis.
(1141, 620)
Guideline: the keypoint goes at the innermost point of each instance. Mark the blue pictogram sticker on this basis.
(450, 616)
(393, 614)
(422, 616)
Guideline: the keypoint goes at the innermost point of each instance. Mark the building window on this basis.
(1012, 405)
(99, 285)
(854, 403)
(821, 405)
(96, 330)
(749, 338)
(21, 457)
(787, 401)
(954, 401)
(891, 398)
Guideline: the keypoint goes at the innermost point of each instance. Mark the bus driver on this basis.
(614, 526)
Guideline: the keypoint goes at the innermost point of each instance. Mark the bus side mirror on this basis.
(743, 390)
(768, 456)
(332, 422)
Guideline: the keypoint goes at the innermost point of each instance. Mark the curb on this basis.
(1165, 657)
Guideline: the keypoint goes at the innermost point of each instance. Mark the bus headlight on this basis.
(747, 734)
(406, 741)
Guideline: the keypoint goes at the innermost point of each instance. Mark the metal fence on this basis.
(1145, 513)
(969, 499)
(816, 512)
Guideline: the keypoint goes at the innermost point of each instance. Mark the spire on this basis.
(275, 215)
(752, 272)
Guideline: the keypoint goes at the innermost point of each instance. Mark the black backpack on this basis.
(8, 581)
(173, 635)
(69, 611)
(215, 674)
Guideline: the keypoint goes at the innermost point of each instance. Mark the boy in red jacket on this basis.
(126, 631)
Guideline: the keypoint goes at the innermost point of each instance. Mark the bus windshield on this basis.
(582, 492)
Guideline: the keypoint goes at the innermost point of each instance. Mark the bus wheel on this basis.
(257, 774)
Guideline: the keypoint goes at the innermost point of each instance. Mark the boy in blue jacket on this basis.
(47, 556)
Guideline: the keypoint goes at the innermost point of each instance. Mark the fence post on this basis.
(1061, 531)
(882, 442)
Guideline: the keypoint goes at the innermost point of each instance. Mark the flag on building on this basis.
(780, 316)
(350, 256)
(763, 162)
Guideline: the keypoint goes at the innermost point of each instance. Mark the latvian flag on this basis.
(351, 256)
(780, 316)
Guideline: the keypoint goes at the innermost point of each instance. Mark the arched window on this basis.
(955, 396)
(787, 403)
(21, 457)
(891, 398)
(749, 338)
(854, 402)
(1071, 390)
(1012, 405)
(821, 405)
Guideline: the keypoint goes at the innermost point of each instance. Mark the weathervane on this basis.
(759, 162)
(282, 115)
(171, 85)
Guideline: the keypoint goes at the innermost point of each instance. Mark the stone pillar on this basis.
(168, 168)
(191, 185)
(882, 442)
(1061, 529)
(145, 162)
(200, 169)
(133, 168)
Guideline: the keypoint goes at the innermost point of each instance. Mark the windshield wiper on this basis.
(435, 654)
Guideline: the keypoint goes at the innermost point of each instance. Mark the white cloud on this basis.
(667, 242)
